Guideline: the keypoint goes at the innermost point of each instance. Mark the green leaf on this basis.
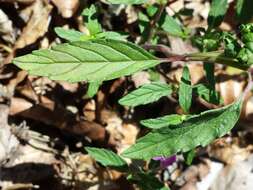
(213, 95)
(164, 121)
(216, 13)
(127, 2)
(91, 61)
(68, 34)
(171, 26)
(244, 10)
(111, 35)
(151, 10)
(90, 15)
(146, 94)
(189, 156)
(204, 92)
(93, 88)
(147, 181)
(107, 158)
(185, 90)
(199, 130)
(143, 25)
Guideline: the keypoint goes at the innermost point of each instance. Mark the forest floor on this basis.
(44, 124)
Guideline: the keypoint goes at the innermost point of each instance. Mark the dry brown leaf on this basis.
(8, 142)
(66, 7)
(192, 174)
(19, 105)
(37, 25)
(131, 14)
(6, 28)
(229, 153)
(123, 134)
(18, 1)
(141, 78)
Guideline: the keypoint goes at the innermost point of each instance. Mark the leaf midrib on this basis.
(84, 62)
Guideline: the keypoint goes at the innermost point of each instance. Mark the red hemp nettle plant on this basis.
(105, 55)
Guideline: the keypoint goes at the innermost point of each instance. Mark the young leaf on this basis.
(91, 61)
(216, 13)
(164, 121)
(127, 2)
(198, 130)
(147, 181)
(90, 15)
(204, 92)
(143, 25)
(171, 26)
(146, 94)
(244, 10)
(213, 95)
(93, 88)
(185, 90)
(106, 157)
(68, 34)
(111, 35)
(189, 156)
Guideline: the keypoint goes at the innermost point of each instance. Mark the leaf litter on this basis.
(45, 124)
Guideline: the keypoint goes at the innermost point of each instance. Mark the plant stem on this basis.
(153, 22)
(209, 57)
(215, 57)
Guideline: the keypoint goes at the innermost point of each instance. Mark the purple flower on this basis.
(165, 161)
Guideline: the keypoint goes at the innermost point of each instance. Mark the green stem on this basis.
(216, 57)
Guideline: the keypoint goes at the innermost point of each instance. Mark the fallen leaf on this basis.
(37, 26)
(8, 142)
(18, 1)
(66, 7)
(6, 28)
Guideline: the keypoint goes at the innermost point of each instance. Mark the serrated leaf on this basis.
(171, 26)
(68, 34)
(106, 157)
(185, 90)
(164, 121)
(91, 61)
(244, 10)
(216, 14)
(146, 94)
(91, 21)
(127, 2)
(199, 130)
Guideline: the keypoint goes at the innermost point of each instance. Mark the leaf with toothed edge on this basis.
(198, 130)
(147, 93)
(91, 61)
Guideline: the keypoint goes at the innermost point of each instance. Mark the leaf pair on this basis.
(198, 130)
